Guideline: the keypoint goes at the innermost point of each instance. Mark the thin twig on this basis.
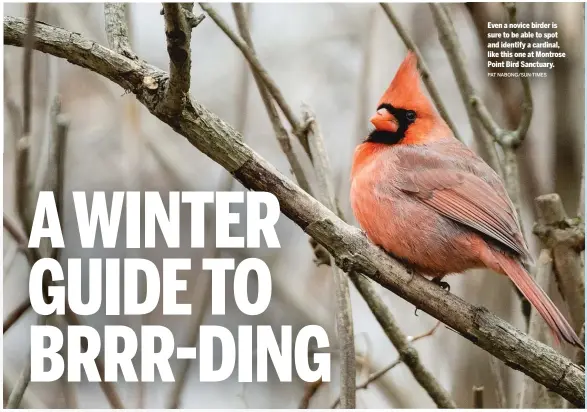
(309, 392)
(477, 111)
(424, 71)
(365, 76)
(16, 314)
(534, 395)
(402, 343)
(55, 176)
(205, 297)
(179, 22)
(17, 394)
(258, 68)
(344, 314)
(448, 40)
(23, 184)
(378, 374)
(500, 394)
(282, 136)
(564, 237)
(117, 29)
(351, 249)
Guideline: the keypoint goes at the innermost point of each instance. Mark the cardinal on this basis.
(430, 202)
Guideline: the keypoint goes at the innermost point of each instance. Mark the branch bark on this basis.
(533, 394)
(179, 22)
(117, 29)
(350, 248)
(344, 314)
(565, 238)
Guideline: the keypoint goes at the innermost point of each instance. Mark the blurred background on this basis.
(338, 58)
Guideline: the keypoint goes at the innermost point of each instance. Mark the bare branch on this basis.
(17, 394)
(527, 106)
(476, 110)
(179, 22)
(282, 136)
(16, 315)
(407, 353)
(533, 394)
(117, 29)
(500, 395)
(424, 71)
(55, 176)
(450, 43)
(376, 375)
(347, 244)
(258, 68)
(344, 314)
(564, 237)
(311, 389)
(23, 183)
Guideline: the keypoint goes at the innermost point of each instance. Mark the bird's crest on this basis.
(405, 90)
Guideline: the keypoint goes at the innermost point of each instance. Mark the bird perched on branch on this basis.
(432, 203)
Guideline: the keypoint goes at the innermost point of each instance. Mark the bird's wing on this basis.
(461, 196)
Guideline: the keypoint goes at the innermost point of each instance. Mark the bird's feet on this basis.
(441, 283)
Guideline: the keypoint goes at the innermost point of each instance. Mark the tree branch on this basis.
(179, 22)
(378, 374)
(534, 395)
(311, 389)
(450, 43)
(258, 68)
(424, 71)
(117, 29)
(564, 237)
(344, 314)
(351, 249)
(280, 133)
(23, 183)
(476, 110)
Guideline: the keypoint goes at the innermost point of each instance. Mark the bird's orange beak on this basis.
(384, 121)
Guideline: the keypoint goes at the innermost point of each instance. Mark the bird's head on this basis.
(404, 114)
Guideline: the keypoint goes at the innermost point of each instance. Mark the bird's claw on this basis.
(442, 284)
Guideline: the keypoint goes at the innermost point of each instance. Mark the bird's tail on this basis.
(539, 299)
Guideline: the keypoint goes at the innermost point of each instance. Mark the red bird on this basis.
(429, 201)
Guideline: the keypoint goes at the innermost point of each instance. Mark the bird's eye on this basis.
(411, 115)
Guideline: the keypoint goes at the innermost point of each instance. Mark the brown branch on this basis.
(423, 67)
(23, 184)
(565, 238)
(280, 133)
(258, 68)
(344, 314)
(309, 392)
(534, 395)
(378, 374)
(55, 176)
(450, 43)
(347, 244)
(408, 354)
(17, 394)
(117, 29)
(500, 395)
(477, 111)
(179, 22)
